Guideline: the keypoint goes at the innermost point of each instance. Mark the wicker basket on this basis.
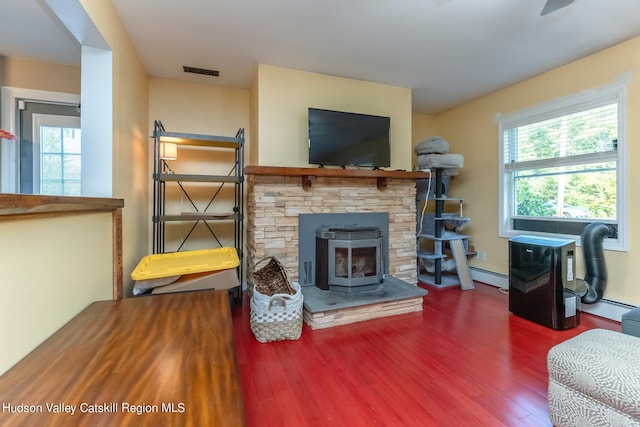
(277, 317)
(271, 278)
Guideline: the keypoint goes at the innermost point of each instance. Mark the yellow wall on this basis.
(50, 269)
(284, 95)
(38, 75)
(471, 131)
(196, 108)
(251, 154)
(422, 126)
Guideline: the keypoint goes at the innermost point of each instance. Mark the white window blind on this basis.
(580, 138)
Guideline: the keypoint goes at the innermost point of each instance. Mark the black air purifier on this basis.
(542, 281)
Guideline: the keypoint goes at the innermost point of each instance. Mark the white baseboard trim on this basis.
(489, 277)
(608, 309)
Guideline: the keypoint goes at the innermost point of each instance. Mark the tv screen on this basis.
(339, 138)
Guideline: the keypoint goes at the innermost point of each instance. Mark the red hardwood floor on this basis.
(463, 361)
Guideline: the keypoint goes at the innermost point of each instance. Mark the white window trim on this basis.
(550, 109)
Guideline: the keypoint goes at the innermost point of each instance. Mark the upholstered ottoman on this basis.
(594, 380)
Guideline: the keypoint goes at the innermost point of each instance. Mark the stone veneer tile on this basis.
(275, 203)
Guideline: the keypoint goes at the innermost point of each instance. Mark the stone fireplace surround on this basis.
(277, 195)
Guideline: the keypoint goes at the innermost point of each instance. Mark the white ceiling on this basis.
(447, 51)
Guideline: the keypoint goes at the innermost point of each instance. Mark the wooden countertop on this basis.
(24, 205)
(150, 360)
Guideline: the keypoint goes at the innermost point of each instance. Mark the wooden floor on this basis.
(463, 361)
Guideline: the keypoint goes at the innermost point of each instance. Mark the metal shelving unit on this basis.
(163, 176)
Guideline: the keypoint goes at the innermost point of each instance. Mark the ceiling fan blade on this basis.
(553, 5)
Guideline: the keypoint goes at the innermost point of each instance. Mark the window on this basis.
(562, 166)
(57, 155)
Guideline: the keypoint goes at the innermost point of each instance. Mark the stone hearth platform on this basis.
(326, 309)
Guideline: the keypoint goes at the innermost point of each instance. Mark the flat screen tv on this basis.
(339, 138)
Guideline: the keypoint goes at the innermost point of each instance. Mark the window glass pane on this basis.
(585, 192)
(51, 166)
(71, 167)
(71, 138)
(52, 187)
(50, 139)
(71, 187)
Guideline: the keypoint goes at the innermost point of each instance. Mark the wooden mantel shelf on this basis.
(308, 175)
(25, 206)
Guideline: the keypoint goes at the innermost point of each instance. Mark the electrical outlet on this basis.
(482, 255)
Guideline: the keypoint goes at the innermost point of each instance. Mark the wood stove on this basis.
(348, 258)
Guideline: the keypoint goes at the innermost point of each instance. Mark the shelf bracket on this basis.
(307, 180)
(382, 182)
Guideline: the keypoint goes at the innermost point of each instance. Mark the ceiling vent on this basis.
(204, 71)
